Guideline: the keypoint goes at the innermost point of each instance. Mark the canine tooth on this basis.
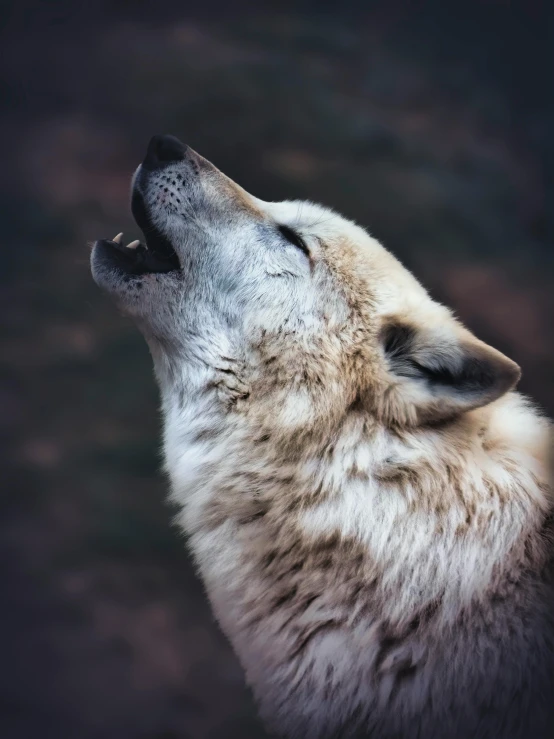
(133, 244)
(118, 238)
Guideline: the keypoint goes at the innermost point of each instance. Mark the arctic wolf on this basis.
(365, 495)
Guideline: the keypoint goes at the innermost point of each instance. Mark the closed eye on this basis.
(293, 238)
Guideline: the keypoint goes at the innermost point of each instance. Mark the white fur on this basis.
(249, 301)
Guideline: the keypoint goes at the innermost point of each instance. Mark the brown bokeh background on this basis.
(428, 122)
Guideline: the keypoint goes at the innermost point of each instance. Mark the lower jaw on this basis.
(134, 262)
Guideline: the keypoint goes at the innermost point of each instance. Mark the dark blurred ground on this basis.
(431, 123)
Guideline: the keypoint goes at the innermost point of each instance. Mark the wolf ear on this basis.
(441, 371)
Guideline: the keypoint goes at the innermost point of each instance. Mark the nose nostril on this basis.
(170, 149)
(164, 150)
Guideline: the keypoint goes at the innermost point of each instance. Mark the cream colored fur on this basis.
(365, 496)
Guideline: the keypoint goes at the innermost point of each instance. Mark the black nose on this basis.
(163, 150)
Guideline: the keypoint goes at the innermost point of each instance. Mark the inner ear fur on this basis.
(442, 370)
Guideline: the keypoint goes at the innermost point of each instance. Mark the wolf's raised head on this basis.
(315, 312)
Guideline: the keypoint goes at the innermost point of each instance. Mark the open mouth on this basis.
(157, 255)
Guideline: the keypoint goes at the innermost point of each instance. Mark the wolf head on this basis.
(311, 312)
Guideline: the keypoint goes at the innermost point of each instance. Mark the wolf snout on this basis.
(163, 150)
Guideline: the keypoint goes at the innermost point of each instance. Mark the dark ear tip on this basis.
(511, 374)
(495, 373)
(505, 374)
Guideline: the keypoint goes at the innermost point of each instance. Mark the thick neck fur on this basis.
(323, 535)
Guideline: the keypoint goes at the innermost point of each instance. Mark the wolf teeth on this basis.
(133, 244)
(117, 239)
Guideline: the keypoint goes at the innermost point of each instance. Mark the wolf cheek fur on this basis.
(365, 497)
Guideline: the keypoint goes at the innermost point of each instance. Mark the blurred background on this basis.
(428, 122)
